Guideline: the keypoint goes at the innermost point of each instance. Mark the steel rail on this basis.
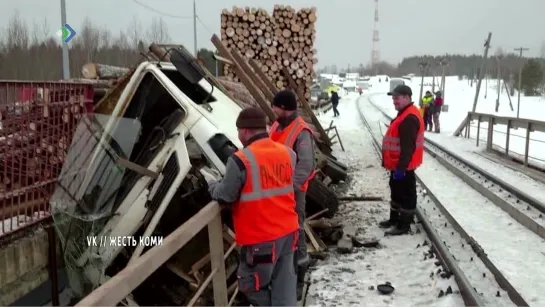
(502, 281)
(468, 292)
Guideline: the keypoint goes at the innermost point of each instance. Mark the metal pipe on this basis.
(52, 265)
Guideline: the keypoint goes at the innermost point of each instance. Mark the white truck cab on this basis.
(140, 175)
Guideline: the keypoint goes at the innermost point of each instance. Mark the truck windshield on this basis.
(92, 174)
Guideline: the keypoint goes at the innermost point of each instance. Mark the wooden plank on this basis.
(306, 106)
(124, 282)
(253, 75)
(222, 59)
(264, 77)
(219, 283)
(245, 79)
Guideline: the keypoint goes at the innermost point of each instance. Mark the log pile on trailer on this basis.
(283, 39)
(37, 122)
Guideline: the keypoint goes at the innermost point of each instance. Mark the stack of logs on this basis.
(284, 39)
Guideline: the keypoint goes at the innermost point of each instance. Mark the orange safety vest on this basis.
(391, 149)
(265, 210)
(288, 137)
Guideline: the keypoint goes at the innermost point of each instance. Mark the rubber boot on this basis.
(393, 220)
(301, 272)
(402, 227)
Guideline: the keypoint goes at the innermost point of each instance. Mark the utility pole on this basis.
(498, 73)
(444, 64)
(479, 81)
(423, 70)
(195, 26)
(481, 71)
(65, 54)
(520, 50)
(433, 80)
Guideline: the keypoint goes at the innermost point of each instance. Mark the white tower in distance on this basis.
(375, 53)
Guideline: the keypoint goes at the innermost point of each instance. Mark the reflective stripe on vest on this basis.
(391, 147)
(265, 210)
(292, 130)
(258, 192)
(392, 143)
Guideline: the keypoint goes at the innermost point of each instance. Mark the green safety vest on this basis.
(427, 100)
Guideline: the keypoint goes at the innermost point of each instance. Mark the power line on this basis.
(204, 25)
(161, 13)
(195, 17)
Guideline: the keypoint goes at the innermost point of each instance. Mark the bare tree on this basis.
(105, 38)
(88, 39)
(134, 32)
(158, 31)
(17, 33)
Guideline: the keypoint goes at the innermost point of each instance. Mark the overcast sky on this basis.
(344, 27)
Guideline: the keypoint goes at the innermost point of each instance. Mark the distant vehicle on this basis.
(395, 82)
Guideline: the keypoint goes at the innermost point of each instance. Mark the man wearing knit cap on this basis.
(258, 186)
(291, 130)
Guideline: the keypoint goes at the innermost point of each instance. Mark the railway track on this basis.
(483, 279)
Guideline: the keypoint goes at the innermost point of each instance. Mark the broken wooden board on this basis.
(317, 243)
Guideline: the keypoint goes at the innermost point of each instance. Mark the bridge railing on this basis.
(123, 283)
(502, 133)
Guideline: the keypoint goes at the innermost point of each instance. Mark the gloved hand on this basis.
(398, 175)
(208, 175)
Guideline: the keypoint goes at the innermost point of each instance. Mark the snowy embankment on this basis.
(11, 224)
(514, 250)
(351, 279)
(459, 97)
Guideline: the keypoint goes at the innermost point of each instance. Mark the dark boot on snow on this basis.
(402, 227)
(393, 220)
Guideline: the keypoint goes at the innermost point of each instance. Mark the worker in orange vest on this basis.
(402, 153)
(258, 184)
(291, 130)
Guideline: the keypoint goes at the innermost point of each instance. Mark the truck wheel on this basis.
(335, 172)
(319, 197)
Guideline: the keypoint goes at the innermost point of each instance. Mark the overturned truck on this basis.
(132, 170)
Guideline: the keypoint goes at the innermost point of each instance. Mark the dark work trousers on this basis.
(428, 118)
(435, 116)
(301, 256)
(403, 194)
(335, 111)
(266, 274)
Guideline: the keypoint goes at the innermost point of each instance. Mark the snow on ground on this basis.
(467, 260)
(351, 279)
(515, 250)
(459, 96)
(467, 150)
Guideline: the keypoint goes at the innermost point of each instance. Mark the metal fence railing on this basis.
(516, 139)
(37, 122)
